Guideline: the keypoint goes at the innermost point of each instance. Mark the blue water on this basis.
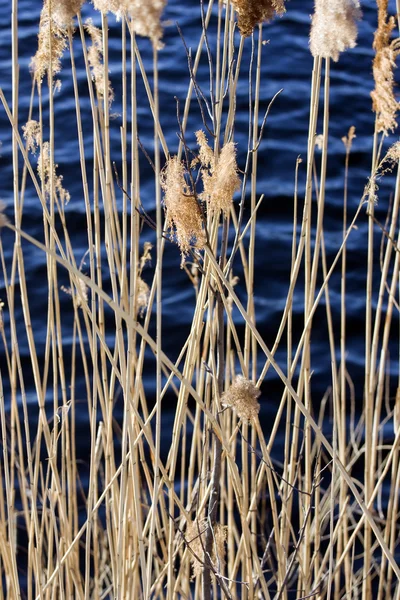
(287, 64)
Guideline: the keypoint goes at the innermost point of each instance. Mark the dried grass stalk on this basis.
(252, 12)
(182, 210)
(384, 102)
(334, 27)
(220, 177)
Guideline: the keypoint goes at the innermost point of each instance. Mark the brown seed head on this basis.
(95, 58)
(182, 211)
(146, 18)
(51, 45)
(242, 398)
(47, 173)
(196, 538)
(252, 12)
(220, 178)
(32, 135)
(64, 11)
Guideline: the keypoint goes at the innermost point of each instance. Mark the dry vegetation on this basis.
(226, 512)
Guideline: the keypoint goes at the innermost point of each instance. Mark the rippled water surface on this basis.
(286, 64)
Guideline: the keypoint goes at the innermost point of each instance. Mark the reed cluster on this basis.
(131, 470)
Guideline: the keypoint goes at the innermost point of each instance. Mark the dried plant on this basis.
(80, 297)
(48, 175)
(32, 135)
(51, 45)
(348, 139)
(195, 538)
(146, 18)
(95, 58)
(384, 102)
(334, 27)
(242, 398)
(182, 210)
(220, 177)
(64, 11)
(252, 12)
(105, 6)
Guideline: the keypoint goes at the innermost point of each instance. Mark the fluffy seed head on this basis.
(384, 102)
(220, 178)
(32, 135)
(146, 18)
(51, 45)
(64, 11)
(142, 296)
(182, 212)
(242, 398)
(47, 173)
(252, 12)
(196, 537)
(334, 27)
(95, 58)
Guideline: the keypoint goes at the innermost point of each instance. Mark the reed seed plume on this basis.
(95, 58)
(52, 42)
(220, 177)
(146, 256)
(146, 18)
(142, 296)
(348, 139)
(334, 27)
(252, 12)
(46, 174)
(384, 102)
(32, 135)
(242, 398)
(105, 6)
(64, 11)
(195, 538)
(81, 297)
(181, 207)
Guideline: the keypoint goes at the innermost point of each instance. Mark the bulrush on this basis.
(95, 58)
(384, 102)
(220, 177)
(242, 398)
(252, 12)
(334, 27)
(182, 210)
